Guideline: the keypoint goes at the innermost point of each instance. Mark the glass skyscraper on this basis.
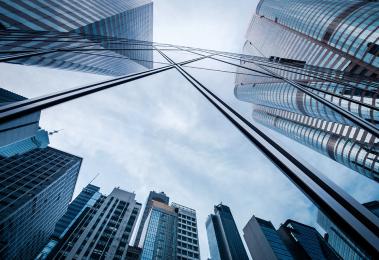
(304, 242)
(335, 37)
(263, 241)
(64, 25)
(86, 198)
(223, 237)
(339, 241)
(36, 188)
(169, 232)
(101, 231)
(160, 197)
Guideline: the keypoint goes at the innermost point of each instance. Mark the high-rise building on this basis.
(153, 196)
(187, 241)
(55, 24)
(18, 129)
(158, 239)
(338, 38)
(36, 188)
(339, 241)
(304, 242)
(223, 237)
(170, 232)
(102, 231)
(263, 241)
(86, 198)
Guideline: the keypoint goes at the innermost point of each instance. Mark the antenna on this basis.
(94, 178)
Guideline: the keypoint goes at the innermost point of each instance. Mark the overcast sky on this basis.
(159, 134)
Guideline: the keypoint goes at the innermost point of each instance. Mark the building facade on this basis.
(86, 198)
(339, 241)
(158, 239)
(46, 25)
(18, 129)
(331, 48)
(36, 188)
(223, 237)
(156, 196)
(187, 241)
(102, 231)
(169, 232)
(263, 241)
(304, 242)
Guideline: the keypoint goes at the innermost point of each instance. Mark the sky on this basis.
(159, 134)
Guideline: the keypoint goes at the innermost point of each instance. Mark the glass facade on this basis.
(304, 242)
(306, 33)
(36, 188)
(56, 24)
(102, 231)
(161, 197)
(86, 198)
(339, 241)
(158, 240)
(223, 237)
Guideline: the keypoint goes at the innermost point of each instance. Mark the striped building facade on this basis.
(44, 25)
(334, 54)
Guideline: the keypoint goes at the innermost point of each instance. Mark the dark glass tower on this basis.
(160, 197)
(263, 241)
(102, 231)
(36, 188)
(223, 236)
(304, 242)
(339, 241)
(338, 37)
(86, 24)
(86, 198)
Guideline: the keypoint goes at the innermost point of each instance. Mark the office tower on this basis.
(304, 242)
(158, 239)
(263, 241)
(170, 232)
(334, 39)
(102, 231)
(223, 237)
(86, 198)
(73, 28)
(160, 197)
(339, 241)
(187, 242)
(18, 129)
(331, 34)
(36, 188)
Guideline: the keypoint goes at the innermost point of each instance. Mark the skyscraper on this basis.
(18, 129)
(187, 241)
(170, 232)
(102, 231)
(263, 241)
(340, 241)
(304, 242)
(223, 237)
(158, 240)
(160, 197)
(86, 198)
(36, 188)
(52, 25)
(333, 37)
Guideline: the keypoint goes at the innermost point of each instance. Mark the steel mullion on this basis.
(18, 109)
(364, 224)
(353, 118)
